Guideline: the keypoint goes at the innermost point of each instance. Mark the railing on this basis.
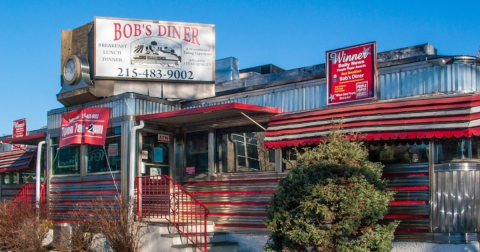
(159, 197)
(27, 194)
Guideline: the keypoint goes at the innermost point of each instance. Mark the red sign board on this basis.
(19, 130)
(351, 73)
(84, 126)
(190, 170)
(163, 138)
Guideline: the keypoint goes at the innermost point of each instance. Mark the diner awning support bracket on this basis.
(258, 124)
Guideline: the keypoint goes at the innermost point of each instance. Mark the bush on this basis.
(21, 229)
(111, 218)
(331, 200)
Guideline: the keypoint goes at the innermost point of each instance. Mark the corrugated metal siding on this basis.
(458, 77)
(456, 204)
(288, 98)
(411, 200)
(394, 82)
(236, 201)
(122, 105)
(10, 191)
(69, 194)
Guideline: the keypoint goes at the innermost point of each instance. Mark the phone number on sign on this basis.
(155, 74)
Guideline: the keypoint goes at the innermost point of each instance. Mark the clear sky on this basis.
(289, 34)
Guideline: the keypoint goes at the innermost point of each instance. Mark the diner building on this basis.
(228, 143)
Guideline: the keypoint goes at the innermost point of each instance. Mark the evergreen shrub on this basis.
(331, 200)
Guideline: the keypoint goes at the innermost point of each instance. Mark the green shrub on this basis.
(331, 200)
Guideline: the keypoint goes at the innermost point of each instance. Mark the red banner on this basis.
(352, 73)
(84, 126)
(19, 130)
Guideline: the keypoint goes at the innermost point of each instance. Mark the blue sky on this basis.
(289, 34)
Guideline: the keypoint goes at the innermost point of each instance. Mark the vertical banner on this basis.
(19, 130)
(84, 126)
(351, 73)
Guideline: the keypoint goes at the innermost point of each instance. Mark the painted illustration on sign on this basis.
(351, 73)
(154, 50)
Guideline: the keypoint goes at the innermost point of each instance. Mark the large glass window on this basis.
(105, 158)
(196, 150)
(289, 155)
(155, 155)
(239, 151)
(458, 150)
(65, 159)
(398, 151)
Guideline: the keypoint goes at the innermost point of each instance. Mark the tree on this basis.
(331, 200)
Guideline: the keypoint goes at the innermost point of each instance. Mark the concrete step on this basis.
(211, 247)
(164, 227)
(212, 237)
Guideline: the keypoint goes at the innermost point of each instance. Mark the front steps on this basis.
(163, 237)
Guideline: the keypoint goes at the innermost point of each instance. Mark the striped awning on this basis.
(16, 160)
(442, 116)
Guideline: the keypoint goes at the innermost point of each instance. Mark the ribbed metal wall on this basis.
(456, 205)
(458, 77)
(121, 105)
(300, 96)
(73, 193)
(411, 200)
(394, 82)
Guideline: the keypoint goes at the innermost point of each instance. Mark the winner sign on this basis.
(351, 73)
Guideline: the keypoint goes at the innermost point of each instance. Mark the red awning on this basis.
(445, 116)
(32, 139)
(216, 116)
(16, 160)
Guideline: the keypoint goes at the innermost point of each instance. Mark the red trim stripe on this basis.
(408, 202)
(233, 192)
(406, 216)
(230, 181)
(80, 202)
(72, 212)
(370, 123)
(209, 109)
(391, 175)
(86, 192)
(409, 188)
(454, 101)
(85, 182)
(236, 203)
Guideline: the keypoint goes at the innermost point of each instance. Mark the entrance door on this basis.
(156, 154)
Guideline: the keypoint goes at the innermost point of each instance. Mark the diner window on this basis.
(398, 151)
(105, 158)
(65, 159)
(239, 151)
(196, 152)
(155, 155)
(7, 178)
(289, 155)
(457, 150)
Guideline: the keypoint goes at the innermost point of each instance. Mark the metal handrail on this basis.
(160, 197)
(27, 194)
